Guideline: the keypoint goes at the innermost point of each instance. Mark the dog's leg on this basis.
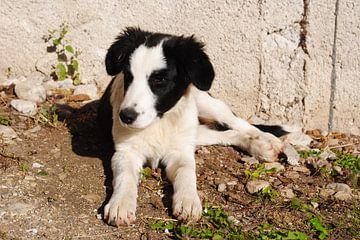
(242, 134)
(180, 169)
(126, 166)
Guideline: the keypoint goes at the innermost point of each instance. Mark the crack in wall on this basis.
(333, 71)
(304, 23)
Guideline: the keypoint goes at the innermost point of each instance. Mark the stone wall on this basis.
(295, 61)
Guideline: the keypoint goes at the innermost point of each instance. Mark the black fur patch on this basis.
(276, 130)
(185, 59)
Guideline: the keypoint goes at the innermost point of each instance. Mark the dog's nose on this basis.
(128, 115)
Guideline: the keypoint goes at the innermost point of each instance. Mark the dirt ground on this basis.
(56, 180)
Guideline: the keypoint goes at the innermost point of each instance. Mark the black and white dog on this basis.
(153, 106)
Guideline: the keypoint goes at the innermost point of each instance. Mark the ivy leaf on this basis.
(69, 48)
(61, 71)
(75, 64)
(57, 41)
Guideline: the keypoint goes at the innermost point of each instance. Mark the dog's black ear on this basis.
(119, 52)
(189, 54)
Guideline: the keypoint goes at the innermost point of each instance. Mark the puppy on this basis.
(153, 105)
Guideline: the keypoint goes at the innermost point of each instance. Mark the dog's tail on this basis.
(276, 130)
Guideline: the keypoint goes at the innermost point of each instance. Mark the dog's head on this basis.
(158, 69)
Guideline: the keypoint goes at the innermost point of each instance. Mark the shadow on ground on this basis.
(88, 139)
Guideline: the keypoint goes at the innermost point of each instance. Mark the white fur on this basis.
(171, 139)
(139, 96)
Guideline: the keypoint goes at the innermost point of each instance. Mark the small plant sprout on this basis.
(67, 55)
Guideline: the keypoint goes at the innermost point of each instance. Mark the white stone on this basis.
(88, 89)
(37, 165)
(328, 154)
(276, 165)
(287, 193)
(50, 86)
(221, 187)
(291, 154)
(343, 196)
(298, 139)
(31, 90)
(339, 187)
(24, 106)
(302, 169)
(66, 84)
(7, 132)
(255, 186)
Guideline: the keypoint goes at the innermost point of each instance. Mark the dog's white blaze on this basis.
(139, 96)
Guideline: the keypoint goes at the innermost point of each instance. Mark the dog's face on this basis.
(157, 70)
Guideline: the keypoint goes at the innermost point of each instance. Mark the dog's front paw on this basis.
(187, 206)
(265, 146)
(120, 210)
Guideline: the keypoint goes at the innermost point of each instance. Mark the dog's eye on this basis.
(158, 81)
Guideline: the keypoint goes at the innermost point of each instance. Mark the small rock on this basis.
(34, 129)
(231, 183)
(277, 166)
(66, 84)
(333, 142)
(287, 193)
(88, 89)
(98, 216)
(343, 196)
(292, 175)
(291, 154)
(24, 106)
(321, 163)
(7, 132)
(50, 86)
(37, 165)
(33, 231)
(314, 204)
(298, 139)
(221, 187)
(255, 186)
(302, 169)
(250, 160)
(338, 169)
(31, 90)
(327, 154)
(339, 187)
(325, 193)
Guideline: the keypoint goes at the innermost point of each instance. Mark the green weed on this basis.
(321, 230)
(24, 167)
(280, 234)
(268, 193)
(310, 153)
(48, 115)
(216, 225)
(43, 173)
(67, 55)
(5, 120)
(259, 171)
(145, 173)
(348, 161)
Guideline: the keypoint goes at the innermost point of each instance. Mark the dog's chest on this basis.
(174, 132)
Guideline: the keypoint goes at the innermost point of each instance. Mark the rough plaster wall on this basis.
(265, 64)
(346, 115)
(319, 63)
